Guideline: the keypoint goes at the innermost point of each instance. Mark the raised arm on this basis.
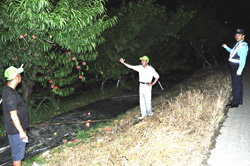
(127, 65)
(227, 48)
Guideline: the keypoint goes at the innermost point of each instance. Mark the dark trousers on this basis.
(236, 84)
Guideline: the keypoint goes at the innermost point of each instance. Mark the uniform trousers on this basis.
(145, 99)
(236, 84)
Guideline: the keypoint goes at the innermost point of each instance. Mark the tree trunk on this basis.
(103, 82)
(213, 56)
(202, 57)
(28, 85)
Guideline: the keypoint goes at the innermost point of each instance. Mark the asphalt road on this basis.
(232, 147)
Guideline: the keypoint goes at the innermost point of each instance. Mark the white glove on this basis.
(224, 45)
(239, 72)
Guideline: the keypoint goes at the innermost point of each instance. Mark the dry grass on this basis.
(179, 133)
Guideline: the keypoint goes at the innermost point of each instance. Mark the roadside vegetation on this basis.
(48, 107)
(179, 133)
(57, 54)
(64, 43)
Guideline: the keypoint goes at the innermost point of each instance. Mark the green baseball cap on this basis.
(144, 58)
(12, 72)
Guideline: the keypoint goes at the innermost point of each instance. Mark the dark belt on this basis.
(233, 63)
(143, 83)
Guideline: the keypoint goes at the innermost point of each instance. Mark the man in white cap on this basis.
(15, 115)
(237, 61)
(146, 74)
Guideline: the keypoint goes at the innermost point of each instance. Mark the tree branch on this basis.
(49, 41)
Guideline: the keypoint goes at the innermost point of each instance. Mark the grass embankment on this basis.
(179, 133)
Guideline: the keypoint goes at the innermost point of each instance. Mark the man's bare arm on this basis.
(17, 124)
(127, 65)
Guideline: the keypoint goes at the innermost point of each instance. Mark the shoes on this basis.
(151, 114)
(141, 117)
(230, 105)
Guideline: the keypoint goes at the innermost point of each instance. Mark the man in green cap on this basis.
(146, 74)
(15, 115)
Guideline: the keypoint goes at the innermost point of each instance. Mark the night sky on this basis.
(233, 14)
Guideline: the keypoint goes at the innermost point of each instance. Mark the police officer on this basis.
(237, 61)
(146, 74)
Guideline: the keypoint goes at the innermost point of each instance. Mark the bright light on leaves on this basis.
(45, 35)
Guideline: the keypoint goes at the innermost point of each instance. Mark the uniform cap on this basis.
(144, 58)
(12, 72)
(240, 31)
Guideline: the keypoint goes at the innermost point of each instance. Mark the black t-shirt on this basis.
(11, 102)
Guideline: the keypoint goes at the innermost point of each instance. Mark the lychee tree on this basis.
(54, 40)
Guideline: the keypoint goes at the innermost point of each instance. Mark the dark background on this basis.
(233, 14)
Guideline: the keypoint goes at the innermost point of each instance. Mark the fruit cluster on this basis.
(77, 65)
(52, 86)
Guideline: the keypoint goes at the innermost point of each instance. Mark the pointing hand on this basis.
(122, 60)
(224, 45)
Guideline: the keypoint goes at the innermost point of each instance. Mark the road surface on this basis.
(232, 147)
